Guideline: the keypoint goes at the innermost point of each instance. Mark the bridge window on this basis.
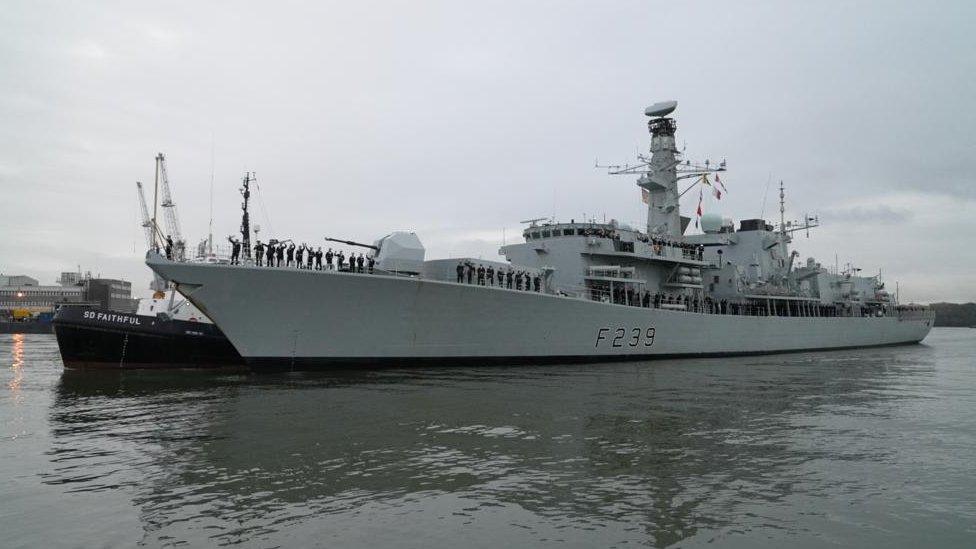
(567, 232)
(545, 234)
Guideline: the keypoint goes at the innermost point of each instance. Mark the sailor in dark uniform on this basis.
(169, 247)
(359, 262)
(370, 262)
(481, 275)
(470, 272)
(318, 258)
(310, 258)
(280, 254)
(518, 280)
(490, 274)
(270, 253)
(258, 253)
(501, 277)
(460, 272)
(328, 258)
(300, 256)
(340, 259)
(508, 279)
(537, 282)
(291, 255)
(235, 250)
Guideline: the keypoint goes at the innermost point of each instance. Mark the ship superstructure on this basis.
(591, 291)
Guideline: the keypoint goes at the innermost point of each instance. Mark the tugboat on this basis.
(164, 332)
(177, 337)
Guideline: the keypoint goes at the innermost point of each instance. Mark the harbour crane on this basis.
(157, 284)
(170, 216)
(147, 224)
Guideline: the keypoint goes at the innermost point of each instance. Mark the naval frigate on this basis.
(592, 291)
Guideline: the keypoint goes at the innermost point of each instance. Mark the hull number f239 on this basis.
(625, 337)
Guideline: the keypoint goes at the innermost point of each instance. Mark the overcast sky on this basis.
(459, 119)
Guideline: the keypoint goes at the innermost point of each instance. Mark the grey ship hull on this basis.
(288, 318)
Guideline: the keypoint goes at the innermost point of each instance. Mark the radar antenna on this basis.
(533, 222)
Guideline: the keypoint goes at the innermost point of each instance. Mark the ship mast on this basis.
(245, 219)
(661, 181)
(782, 208)
(659, 174)
(782, 218)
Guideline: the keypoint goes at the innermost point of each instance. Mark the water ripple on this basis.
(805, 449)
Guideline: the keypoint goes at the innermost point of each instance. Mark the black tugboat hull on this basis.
(91, 337)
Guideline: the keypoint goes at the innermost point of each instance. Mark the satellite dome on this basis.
(711, 223)
(663, 108)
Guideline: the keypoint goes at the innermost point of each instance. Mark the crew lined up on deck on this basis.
(468, 273)
(684, 302)
(278, 253)
(305, 257)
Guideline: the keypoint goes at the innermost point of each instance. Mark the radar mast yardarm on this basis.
(659, 174)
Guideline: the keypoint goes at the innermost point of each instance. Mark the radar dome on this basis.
(711, 223)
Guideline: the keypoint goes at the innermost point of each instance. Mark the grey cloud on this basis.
(361, 117)
(881, 214)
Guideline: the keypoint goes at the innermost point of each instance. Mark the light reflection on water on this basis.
(17, 365)
(854, 447)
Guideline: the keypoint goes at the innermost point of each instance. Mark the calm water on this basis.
(850, 448)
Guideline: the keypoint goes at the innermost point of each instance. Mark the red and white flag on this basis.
(699, 210)
(717, 193)
(719, 181)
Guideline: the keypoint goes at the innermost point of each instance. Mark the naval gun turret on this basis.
(400, 252)
(397, 252)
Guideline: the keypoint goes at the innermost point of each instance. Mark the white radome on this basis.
(711, 223)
